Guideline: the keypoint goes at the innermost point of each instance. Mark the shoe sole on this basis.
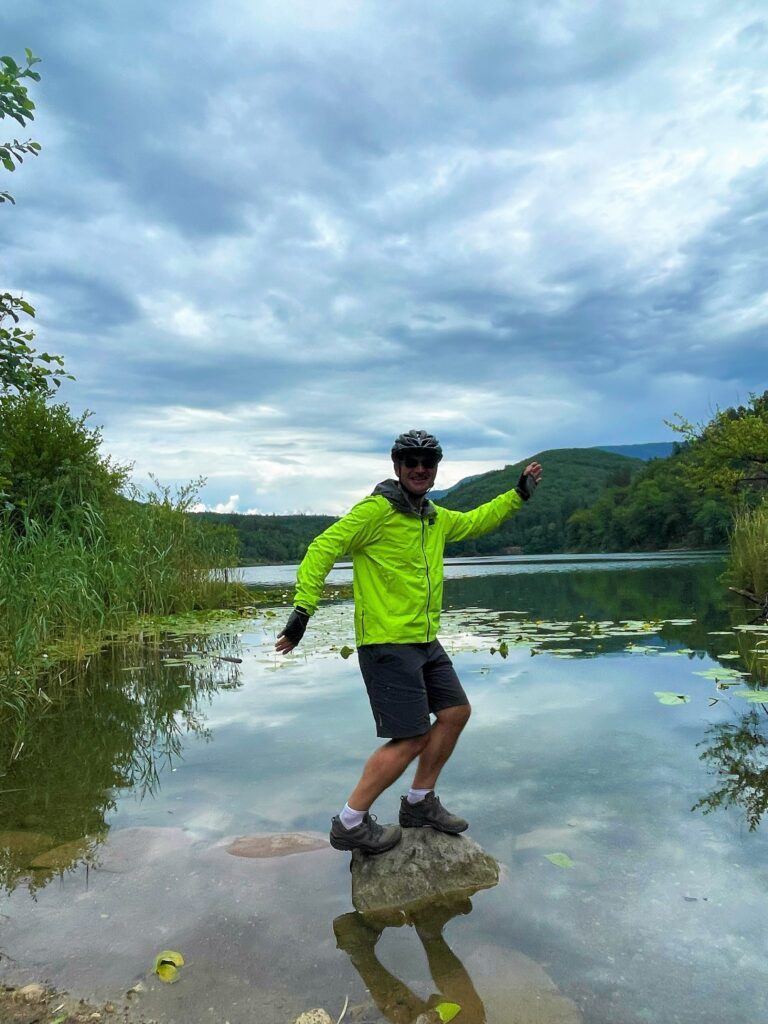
(436, 827)
(348, 847)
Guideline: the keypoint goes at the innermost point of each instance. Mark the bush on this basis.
(78, 558)
(50, 460)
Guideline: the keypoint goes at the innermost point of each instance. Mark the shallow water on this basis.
(661, 916)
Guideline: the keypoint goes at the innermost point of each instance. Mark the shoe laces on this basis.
(376, 829)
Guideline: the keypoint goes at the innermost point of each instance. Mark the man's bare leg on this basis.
(441, 740)
(384, 767)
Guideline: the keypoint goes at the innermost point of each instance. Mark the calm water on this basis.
(661, 916)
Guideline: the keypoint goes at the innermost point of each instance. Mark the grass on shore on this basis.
(68, 581)
(748, 566)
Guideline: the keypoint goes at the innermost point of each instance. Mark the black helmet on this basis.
(416, 440)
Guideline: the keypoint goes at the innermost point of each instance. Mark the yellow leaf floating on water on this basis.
(562, 860)
(167, 964)
(447, 1011)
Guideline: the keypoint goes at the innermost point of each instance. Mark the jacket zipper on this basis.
(429, 582)
(362, 626)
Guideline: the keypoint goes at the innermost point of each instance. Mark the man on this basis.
(396, 538)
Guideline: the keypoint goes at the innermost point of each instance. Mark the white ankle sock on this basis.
(416, 795)
(349, 817)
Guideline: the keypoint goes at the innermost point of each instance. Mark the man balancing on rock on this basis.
(396, 538)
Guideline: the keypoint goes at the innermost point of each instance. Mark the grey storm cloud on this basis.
(260, 229)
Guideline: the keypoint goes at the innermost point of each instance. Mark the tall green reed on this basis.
(69, 578)
(748, 563)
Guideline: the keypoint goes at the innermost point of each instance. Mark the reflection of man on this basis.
(357, 935)
(396, 539)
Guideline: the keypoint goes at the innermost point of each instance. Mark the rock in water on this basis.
(424, 864)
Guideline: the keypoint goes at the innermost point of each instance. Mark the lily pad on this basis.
(721, 673)
(667, 697)
(753, 696)
(561, 860)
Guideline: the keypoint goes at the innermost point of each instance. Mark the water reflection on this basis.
(737, 753)
(126, 720)
(357, 934)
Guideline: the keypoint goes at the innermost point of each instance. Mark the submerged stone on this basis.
(279, 844)
(64, 856)
(425, 864)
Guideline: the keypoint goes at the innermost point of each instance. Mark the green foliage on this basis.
(729, 455)
(22, 369)
(573, 479)
(50, 460)
(661, 507)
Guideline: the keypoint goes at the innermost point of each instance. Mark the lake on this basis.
(621, 901)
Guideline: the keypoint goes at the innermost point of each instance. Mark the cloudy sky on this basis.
(267, 236)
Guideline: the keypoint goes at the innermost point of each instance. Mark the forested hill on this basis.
(270, 540)
(653, 450)
(574, 478)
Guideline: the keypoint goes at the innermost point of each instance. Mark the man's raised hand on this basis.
(529, 480)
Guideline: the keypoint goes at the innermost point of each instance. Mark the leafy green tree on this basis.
(22, 370)
(729, 455)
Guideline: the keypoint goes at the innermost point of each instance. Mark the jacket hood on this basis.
(399, 500)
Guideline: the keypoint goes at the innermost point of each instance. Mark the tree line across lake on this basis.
(590, 501)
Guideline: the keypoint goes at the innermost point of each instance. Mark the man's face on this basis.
(417, 472)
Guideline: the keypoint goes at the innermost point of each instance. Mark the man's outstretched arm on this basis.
(487, 517)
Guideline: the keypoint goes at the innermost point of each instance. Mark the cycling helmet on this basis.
(416, 440)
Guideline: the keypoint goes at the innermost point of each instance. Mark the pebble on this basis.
(31, 993)
(314, 1017)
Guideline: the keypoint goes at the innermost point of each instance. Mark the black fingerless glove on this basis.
(296, 625)
(526, 485)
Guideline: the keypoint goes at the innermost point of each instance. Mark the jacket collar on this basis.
(401, 501)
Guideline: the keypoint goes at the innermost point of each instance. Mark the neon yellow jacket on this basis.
(397, 560)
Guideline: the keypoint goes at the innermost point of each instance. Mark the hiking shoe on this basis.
(368, 836)
(430, 811)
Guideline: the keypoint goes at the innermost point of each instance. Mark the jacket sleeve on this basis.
(353, 531)
(480, 520)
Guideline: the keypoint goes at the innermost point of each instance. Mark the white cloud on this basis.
(366, 218)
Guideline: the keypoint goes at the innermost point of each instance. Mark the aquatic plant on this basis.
(748, 562)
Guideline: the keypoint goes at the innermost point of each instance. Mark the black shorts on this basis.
(405, 682)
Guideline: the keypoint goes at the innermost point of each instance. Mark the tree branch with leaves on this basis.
(23, 370)
(729, 455)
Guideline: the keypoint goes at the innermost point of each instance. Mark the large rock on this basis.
(424, 865)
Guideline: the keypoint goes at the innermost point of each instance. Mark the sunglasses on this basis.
(412, 461)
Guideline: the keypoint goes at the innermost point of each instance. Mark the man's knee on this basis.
(457, 716)
(411, 746)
